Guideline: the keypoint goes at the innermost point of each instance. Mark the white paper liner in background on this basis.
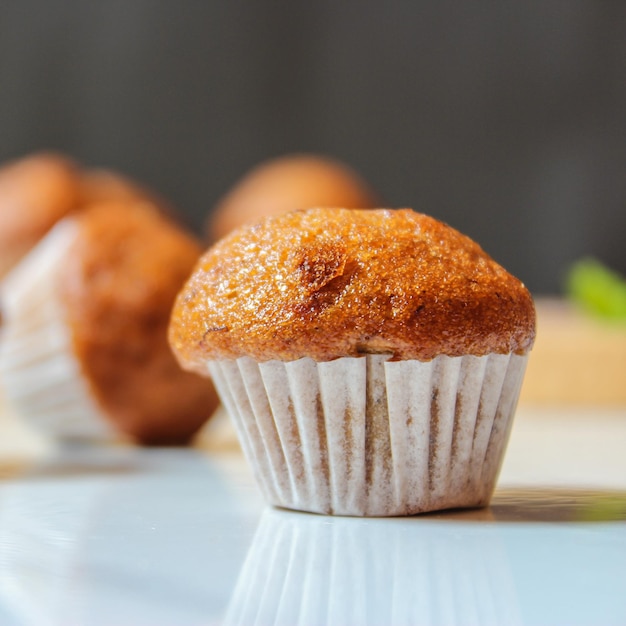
(41, 377)
(373, 437)
(303, 569)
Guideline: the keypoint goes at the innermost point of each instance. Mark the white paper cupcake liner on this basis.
(373, 437)
(41, 377)
(303, 569)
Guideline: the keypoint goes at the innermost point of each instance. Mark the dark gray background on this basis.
(506, 119)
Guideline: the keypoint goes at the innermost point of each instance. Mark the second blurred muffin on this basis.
(39, 189)
(35, 192)
(84, 352)
(102, 185)
(293, 181)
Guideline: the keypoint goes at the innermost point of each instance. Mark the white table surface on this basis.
(122, 536)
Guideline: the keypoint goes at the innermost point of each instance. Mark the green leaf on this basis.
(597, 289)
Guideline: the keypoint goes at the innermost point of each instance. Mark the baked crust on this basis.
(330, 283)
(118, 283)
(35, 193)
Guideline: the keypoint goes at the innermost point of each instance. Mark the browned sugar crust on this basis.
(118, 283)
(287, 183)
(35, 192)
(330, 283)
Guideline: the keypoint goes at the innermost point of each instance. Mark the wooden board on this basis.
(577, 359)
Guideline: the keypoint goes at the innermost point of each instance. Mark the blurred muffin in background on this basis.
(102, 185)
(38, 190)
(35, 192)
(293, 181)
(83, 345)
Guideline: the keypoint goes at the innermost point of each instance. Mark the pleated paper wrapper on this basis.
(41, 376)
(370, 436)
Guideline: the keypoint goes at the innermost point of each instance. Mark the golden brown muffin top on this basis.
(118, 282)
(287, 183)
(330, 283)
(35, 192)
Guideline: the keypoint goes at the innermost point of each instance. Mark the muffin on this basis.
(102, 185)
(83, 345)
(293, 181)
(371, 360)
(35, 192)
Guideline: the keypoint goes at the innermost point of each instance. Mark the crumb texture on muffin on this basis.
(330, 283)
